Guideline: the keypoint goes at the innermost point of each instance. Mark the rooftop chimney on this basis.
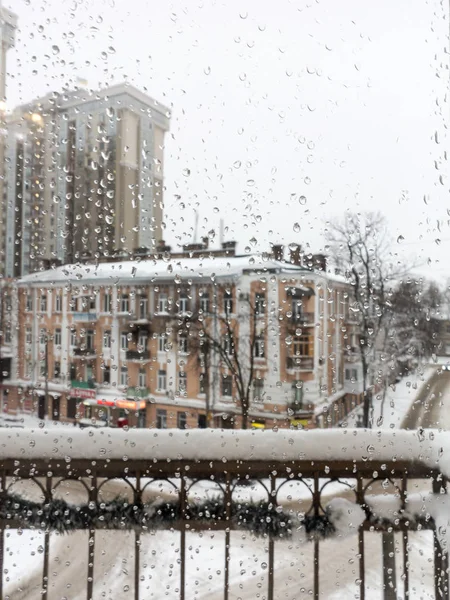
(229, 247)
(277, 251)
(295, 254)
(319, 262)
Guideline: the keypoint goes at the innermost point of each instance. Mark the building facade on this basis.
(8, 26)
(127, 340)
(84, 177)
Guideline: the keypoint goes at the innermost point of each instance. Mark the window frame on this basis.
(161, 380)
(226, 384)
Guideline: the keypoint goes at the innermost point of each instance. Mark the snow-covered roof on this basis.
(151, 270)
(429, 447)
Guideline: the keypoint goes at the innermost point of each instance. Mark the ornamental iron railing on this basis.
(303, 515)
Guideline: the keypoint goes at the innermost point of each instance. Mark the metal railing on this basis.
(303, 318)
(305, 363)
(176, 487)
(137, 355)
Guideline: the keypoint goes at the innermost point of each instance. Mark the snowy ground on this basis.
(160, 576)
(398, 401)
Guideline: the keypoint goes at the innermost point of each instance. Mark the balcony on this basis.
(137, 392)
(84, 352)
(86, 385)
(299, 363)
(84, 317)
(320, 510)
(304, 318)
(136, 355)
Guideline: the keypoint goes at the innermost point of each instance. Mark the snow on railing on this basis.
(427, 447)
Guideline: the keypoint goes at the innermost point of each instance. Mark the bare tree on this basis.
(411, 328)
(360, 249)
(220, 342)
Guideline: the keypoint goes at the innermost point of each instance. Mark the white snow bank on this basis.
(346, 516)
(429, 447)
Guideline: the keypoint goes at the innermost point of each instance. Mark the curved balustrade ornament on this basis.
(262, 517)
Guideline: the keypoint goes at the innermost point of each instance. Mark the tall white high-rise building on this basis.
(8, 25)
(84, 177)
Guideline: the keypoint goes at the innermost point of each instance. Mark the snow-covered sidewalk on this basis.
(399, 399)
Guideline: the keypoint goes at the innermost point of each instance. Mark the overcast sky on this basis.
(340, 102)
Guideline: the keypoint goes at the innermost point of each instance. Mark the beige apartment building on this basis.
(84, 177)
(100, 343)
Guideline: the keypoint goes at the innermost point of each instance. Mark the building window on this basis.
(258, 390)
(260, 304)
(183, 302)
(143, 307)
(297, 310)
(202, 383)
(260, 351)
(227, 386)
(161, 418)
(57, 370)
(73, 304)
(182, 382)
(182, 344)
(181, 420)
(107, 302)
(142, 378)
(228, 345)
(42, 368)
(204, 302)
(124, 303)
(57, 337)
(43, 303)
(301, 346)
(143, 340)
(7, 334)
(107, 339)
(228, 303)
(162, 342)
(28, 335)
(162, 380)
(297, 394)
(58, 303)
(106, 375)
(123, 376)
(42, 337)
(124, 340)
(73, 339)
(90, 339)
(351, 375)
(162, 303)
(73, 371)
(29, 303)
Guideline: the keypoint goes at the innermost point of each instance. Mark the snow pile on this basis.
(428, 447)
(345, 516)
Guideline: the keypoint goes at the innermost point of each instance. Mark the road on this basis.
(248, 563)
(430, 409)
